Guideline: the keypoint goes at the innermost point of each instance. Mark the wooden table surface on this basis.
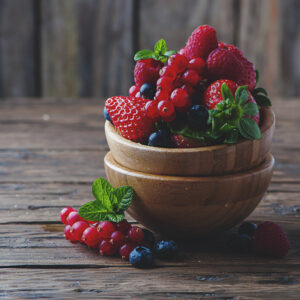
(50, 153)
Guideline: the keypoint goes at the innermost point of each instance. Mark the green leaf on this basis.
(242, 94)
(226, 92)
(226, 127)
(260, 90)
(124, 195)
(232, 137)
(143, 54)
(93, 211)
(249, 128)
(169, 53)
(257, 76)
(115, 217)
(250, 109)
(160, 47)
(104, 193)
(262, 100)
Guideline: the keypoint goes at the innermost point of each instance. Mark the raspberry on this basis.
(178, 62)
(124, 226)
(67, 232)
(105, 229)
(221, 63)
(129, 117)
(118, 239)
(197, 64)
(179, 98)
(65, 213)
(191, 77)
(162, 95)
(147, 70)
(201, 42)
(77, 229)
(91, 237)
(136, 234)
(189, 89)
(168, 71)
(164, 83)
(73, 217)
(166, 110)
(107, 248)
(126, 249)
(133, 90)
(152, 111)
(181, 141)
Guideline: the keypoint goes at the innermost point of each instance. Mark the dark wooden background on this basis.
(84, 48)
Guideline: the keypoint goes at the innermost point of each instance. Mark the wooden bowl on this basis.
(213, 160)
(186, 207)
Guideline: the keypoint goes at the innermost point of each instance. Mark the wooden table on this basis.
(50, 153)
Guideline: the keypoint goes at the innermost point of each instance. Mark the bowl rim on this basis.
(268, 121)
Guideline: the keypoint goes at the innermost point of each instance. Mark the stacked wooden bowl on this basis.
(192, 192)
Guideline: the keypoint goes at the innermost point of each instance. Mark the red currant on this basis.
(186, 107)
(168, 71)
(107, 248)
(118, 239)
(136, 234)
(67, 232)
(138, 95)
(197, 64)
(91, 236)
(152, 111)
(73, 217)
(105, 229)
(124, 226)
(179, 62)
(133, 90)
(189, 89)
(164, 83)
(77, 229)
(191, 77)
(167, 110)
(126, 249)
(162, 95)
(179, 97)
(178, 82)
(64, 214)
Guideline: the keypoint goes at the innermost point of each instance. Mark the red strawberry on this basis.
(129, 117)
(201, 42)
(181, 141)
(270, 239)
(147, 71)
(221, 63)
(247, 76)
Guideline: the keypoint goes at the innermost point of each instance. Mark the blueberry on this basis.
(149, 237)
(197, 117)
(248, 228)
(141, 257)
(106, 115)
(148, 90)
(160, 138)
(166, 249)
(240, 243)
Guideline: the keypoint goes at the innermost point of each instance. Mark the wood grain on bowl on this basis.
(186, 207)
(202, 161)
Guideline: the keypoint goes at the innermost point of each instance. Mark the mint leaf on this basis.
(104, 193)
(249, 128)
(115, 217)
(169, 53)
(260, 90)
(143, 54)
(93, 211)
(226, 92)
(262, 100)
(241, 94)
(124, 195)
(160, 47)
(250, 109)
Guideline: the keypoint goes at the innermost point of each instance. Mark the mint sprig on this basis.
(110, 203)
(159, 53)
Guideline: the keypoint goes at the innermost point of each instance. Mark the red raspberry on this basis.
(107, 248)
(270, 239)
(124, 226)
(191, 77)
(67, 232)
(178, 62)
(165, 83)
(152, 111)
(118, 239)
(126, 249)
(133, 90)
(129, 117)
(181, 141)
(162, 95)
(197, 64)
(147, 71)
(77, 229)
(136, 234)
(166, 110)
(179, 98)
(91, 237)
(189, 89)
(65, 213)
(168, 71)
(74, 217)
(221, 63)
(201, 42)
(105, 229)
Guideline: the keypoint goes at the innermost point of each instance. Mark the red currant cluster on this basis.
(110, 238)
(177, 83)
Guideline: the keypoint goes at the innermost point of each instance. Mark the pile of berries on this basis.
(129, 242)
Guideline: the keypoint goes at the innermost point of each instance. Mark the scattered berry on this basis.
(67, 232)
(160, 138)
(148, 90)
(118, 239)
(124, 226)
(240, 243)
(91, 236)
(65, 213)
(105, 229)
(152, 111)
(197, 117)
(197, 64)
(126, 249)
(166, 110)
(77, 229)
(178, 62)
(248, 228)
(141, 257)
(180, 141)
(73, 217)
(136, 234)
(179, 98)
(133, 90)
(106, 248)
(191, 77)
(166, 249)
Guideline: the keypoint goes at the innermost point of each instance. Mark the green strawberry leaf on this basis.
(257, 76)
(115, 217)
(262, 100)
(143, 54)
(260, 90)
(232, 137)
(226, 92)
(160, 47)
(250, 109)
(226, 127)
(249, 128)
(93, 211)
(242, 94)
(124, 195)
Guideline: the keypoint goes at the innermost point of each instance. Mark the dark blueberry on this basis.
(166, 249)
(106, 115)
(160, 138)
(148, 90)
(141, 257)
(248, 228)
(149, 237)
(197, 116)
(240, 243)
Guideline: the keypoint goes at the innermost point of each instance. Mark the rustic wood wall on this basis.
(84, 48)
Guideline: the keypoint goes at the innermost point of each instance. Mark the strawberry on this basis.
(201, 42)
(270, 239)
(129, 117)
(147, 71)
(247, 76)
(181, 141)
